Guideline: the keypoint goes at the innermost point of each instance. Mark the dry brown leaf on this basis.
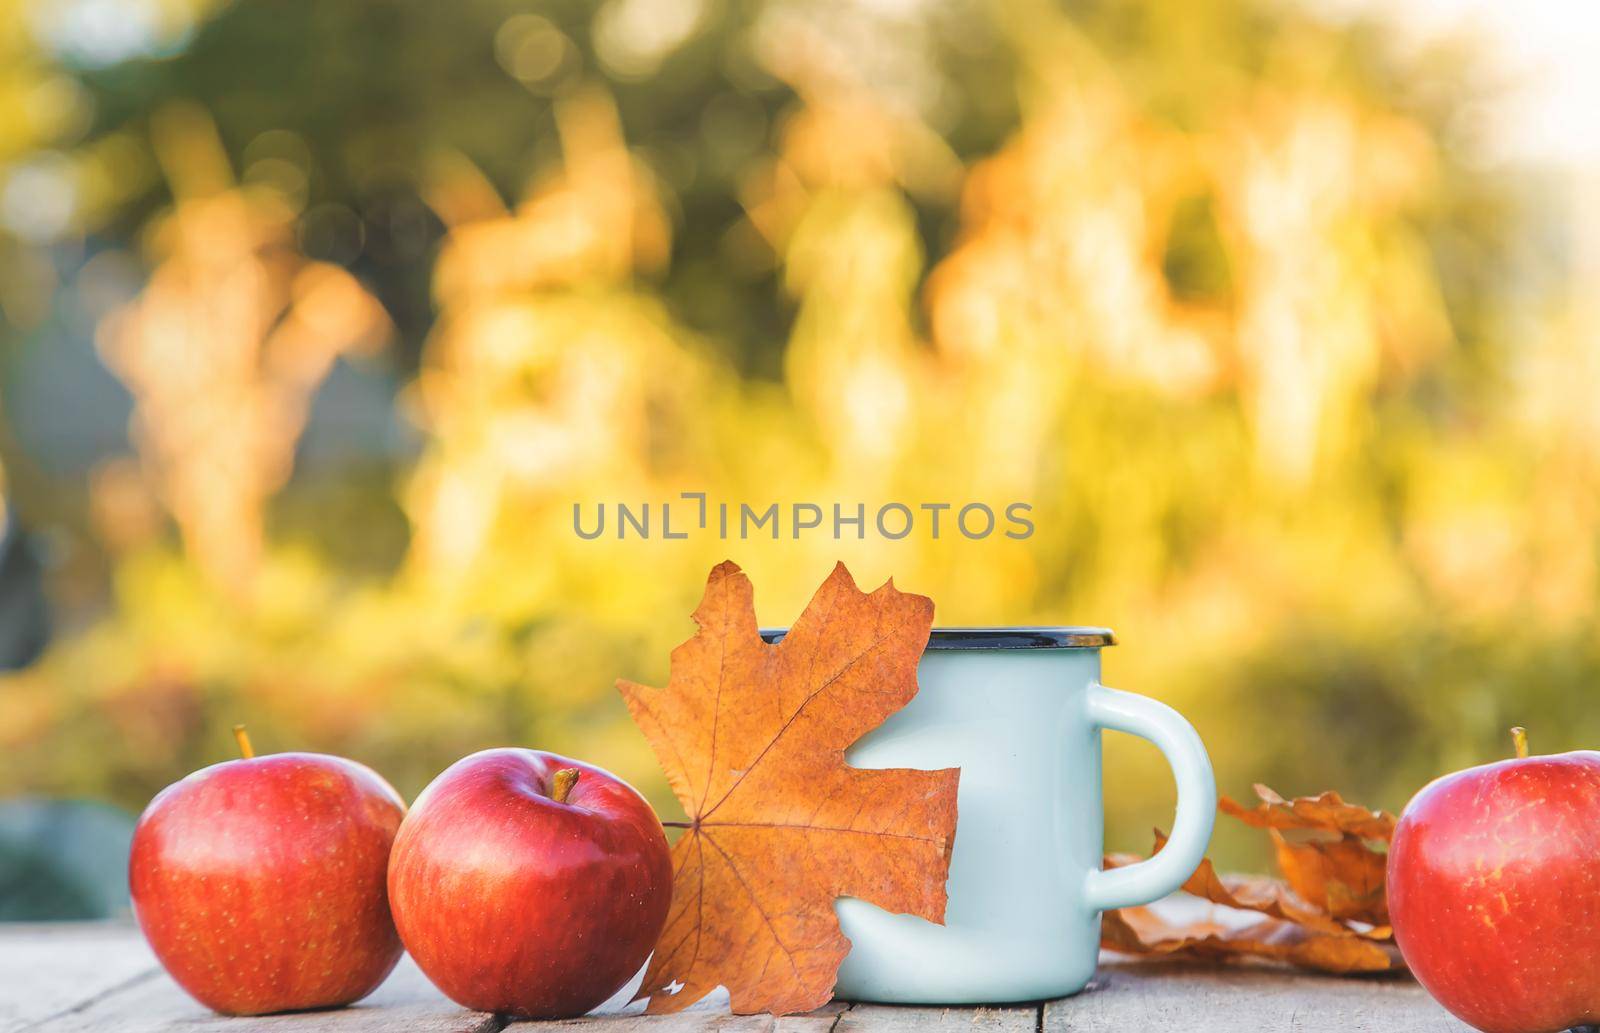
(1259, 893)
(1343, 877)
(1329, 913)
(1139, 931)
(1327, 812)
(752, 737)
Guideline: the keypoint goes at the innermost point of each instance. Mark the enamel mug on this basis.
(1020, 712)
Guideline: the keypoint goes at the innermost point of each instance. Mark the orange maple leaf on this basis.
(752, 737)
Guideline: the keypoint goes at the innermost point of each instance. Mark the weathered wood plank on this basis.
(883, 1018)
(406, 1003)
(103, 978)
(100, 978)
(713, 1018)
(46, 970)
(1128, 997)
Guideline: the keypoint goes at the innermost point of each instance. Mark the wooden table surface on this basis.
(95, 977)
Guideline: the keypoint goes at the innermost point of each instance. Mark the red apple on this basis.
(260, 882)
(529, 884)
(1494, 892)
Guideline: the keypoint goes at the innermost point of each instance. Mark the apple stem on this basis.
(242, 737)
(1519, 738)
(561, 784)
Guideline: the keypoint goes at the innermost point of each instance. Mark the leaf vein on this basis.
(820, 689)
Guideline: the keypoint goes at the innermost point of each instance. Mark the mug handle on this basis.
(1170, 868)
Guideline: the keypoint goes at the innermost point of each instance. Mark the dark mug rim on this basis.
(1015, 637)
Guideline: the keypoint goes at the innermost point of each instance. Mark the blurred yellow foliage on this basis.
(224, 347)
(1237, 463)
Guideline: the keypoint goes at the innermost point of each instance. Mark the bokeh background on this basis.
(319, 317)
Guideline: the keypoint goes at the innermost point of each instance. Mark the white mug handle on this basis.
(1170, 868)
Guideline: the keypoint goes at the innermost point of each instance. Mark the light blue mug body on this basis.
(1020, 712)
